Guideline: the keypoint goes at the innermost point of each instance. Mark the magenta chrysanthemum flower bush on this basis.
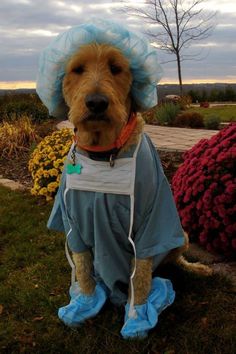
(204, 188)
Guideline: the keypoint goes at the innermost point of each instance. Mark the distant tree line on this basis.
(227, 94)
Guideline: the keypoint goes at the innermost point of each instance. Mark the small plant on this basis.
(212, 122)
(167, 113)
(47, 161)
(17, 137)
(204, 188)
(189, 119)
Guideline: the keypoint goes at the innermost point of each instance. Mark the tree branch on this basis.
(179, 23)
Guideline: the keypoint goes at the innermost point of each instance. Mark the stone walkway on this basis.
(13, 185)
(177, 139)
(166, 138)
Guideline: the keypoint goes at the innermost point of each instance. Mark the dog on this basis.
(96, 88)
(103, 100)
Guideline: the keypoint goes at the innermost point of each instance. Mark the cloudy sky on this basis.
(27, 26)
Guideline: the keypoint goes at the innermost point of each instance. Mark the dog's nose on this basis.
(96, 103)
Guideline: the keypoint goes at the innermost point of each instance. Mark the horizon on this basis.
(18, 85)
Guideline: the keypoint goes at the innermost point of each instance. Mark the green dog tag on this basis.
(74, 169)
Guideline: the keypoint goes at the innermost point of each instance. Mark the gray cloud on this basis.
(27, 26)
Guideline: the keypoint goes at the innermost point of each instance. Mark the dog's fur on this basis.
(102, 69)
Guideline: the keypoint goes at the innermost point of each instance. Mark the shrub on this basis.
(204, 188)
(150, 116)
(212, 122)
(166, 113)
(16, 138)
(46, 163)
(205, 104)
(14, 106)
(185, 102)
(189, 119)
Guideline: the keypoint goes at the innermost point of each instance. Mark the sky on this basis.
(28, 26)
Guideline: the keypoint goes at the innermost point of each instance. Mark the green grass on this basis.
(226, 113)
(35, 277)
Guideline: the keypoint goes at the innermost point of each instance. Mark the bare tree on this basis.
(175, 25)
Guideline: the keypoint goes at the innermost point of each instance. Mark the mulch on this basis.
(16, 169)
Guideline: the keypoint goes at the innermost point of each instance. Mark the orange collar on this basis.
(125, 133)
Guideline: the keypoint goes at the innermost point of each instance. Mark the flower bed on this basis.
(47, 161)
(204, 188)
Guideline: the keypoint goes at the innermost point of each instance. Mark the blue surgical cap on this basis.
(142, 57)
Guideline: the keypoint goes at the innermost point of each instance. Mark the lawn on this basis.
(224, 112)
(35, 277)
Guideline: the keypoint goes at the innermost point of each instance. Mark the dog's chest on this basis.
(102, 197)
(100, 218)
(99, 176)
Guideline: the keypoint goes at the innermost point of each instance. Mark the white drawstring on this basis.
(70, 261)
(132, 311)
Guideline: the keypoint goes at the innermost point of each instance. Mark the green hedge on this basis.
(13, 106)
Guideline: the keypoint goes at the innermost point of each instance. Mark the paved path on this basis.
(166, 138)
(180, 139)
(11, 184)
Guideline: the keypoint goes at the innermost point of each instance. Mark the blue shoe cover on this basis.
(82, 307)
(161, 296)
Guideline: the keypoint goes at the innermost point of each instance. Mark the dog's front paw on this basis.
(137, 327)
(161, 296)
(82, 307)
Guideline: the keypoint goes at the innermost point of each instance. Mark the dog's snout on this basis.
(96, 103)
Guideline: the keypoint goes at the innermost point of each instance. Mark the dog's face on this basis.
(96, 88)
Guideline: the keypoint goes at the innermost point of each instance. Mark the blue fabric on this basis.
(161, 296)
(82, 307)
(100, 222)
(142, 57)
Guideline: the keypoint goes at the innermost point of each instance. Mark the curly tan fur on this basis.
(84, 267)
(176, 256)
(88, 72)
(95, 62)
(142, 280)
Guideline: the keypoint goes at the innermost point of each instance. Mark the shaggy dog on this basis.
(96, 88)
(114, 202)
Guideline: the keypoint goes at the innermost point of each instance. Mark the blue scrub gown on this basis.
(100, 222)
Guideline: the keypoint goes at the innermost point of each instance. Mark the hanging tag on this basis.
(112, 160)
(74, 169)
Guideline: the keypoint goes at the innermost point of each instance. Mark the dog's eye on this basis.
(115, 69)
(78, 70)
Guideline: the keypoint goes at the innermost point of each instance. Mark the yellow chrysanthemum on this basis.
(52, 156)
(46, 163)
(53, 172)
(43, 191)
(57, 163)
(52, 186)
